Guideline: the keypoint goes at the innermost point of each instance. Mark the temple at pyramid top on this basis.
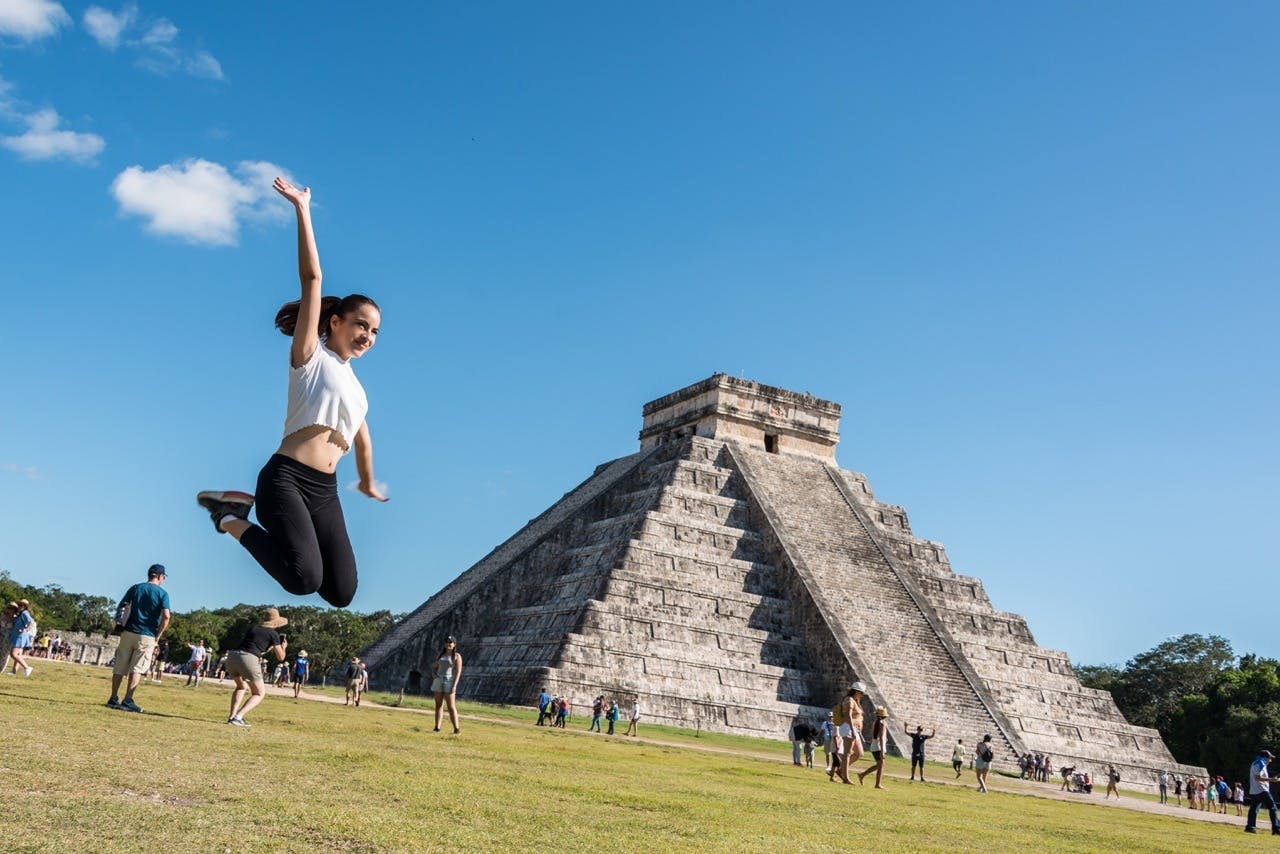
(762, 416)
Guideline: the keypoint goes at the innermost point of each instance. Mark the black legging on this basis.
(305, 545)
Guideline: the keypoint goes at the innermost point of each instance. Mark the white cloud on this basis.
(44, 141)
(202, 64)
(155, 42)
(162, 31)
(29, 472)
(106, 27)
(200, 201)
(29, 20)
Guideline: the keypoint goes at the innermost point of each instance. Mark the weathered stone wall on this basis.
(735, 582)
(1035, 688)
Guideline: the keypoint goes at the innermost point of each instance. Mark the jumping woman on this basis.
(301, 539)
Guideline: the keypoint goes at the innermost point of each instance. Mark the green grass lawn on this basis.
(316, 776)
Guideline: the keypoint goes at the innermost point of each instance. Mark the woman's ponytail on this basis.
(287, 316)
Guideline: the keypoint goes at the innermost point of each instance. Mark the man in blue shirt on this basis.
(1260, 793)
(148, 618)
(544, 707)
(301, 665)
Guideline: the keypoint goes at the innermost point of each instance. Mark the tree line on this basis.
(1210, 707)
(329, 635)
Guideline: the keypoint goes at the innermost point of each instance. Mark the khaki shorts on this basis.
(133, 655)
(246, 665)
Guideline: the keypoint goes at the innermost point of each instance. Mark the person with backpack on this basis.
(828, 731)
(597, 713)
(982, 759)
(355, 680)
(614, 714)
(1113, 780)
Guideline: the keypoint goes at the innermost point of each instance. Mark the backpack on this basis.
(984, 752)
(837, 714)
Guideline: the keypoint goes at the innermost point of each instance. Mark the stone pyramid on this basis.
(733, 578)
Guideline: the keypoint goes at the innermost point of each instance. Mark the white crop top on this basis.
(325, 391)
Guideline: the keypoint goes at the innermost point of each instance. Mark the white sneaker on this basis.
(238, 722)
(27, 672)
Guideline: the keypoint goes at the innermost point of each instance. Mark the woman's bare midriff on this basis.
(316, 446)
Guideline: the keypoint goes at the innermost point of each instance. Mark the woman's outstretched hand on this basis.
(370, 488)
(299, 198)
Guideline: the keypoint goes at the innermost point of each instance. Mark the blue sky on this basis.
(1030, 248)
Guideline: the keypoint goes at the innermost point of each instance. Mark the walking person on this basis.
(1113, 782)
(244, 664)
(301, 666)
(1260, 793)
(448, 671)
(633, 728)
(22, 636)
(918, 738)
(1163, 781)
(195, 663)
(614, 714)
(544, 707)
(828, 733)
(301, 539)
(982, 760)
(7, 616)
(957, 757)
(849, 721)
(149, 614)
(597, 714)
(800, 731)
(879, 744)
(158, 660)
(355, 681)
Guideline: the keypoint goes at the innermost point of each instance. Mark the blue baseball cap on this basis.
(156, 569)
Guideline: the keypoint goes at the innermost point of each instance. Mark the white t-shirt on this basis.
(325, 391)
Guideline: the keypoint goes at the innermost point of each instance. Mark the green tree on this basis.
(1150, 689)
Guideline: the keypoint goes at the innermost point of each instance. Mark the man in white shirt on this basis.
(1260, 793)
(1164, 787)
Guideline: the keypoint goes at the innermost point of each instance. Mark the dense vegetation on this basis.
(329, 635)
(1212, 709)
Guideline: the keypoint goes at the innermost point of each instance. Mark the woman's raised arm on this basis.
(306, 334)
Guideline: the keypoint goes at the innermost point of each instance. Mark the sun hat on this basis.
(271, 619)
(860, 687)
(302, 654)
(882, 712)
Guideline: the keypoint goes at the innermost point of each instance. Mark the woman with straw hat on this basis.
(22, 636)
(879, 740)
(244, 664)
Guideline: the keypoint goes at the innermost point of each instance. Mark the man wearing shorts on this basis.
(957, 757)
(355, 681)
(148, 618)
(301, 665)
(918, 738)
